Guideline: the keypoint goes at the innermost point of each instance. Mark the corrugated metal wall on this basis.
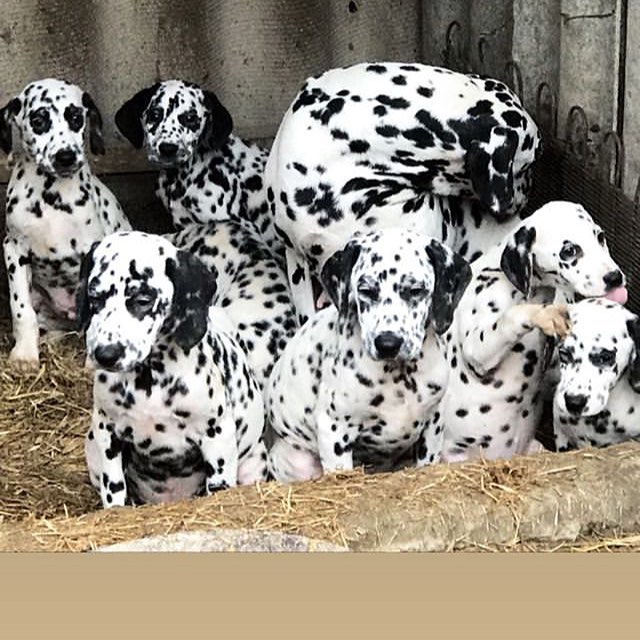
(256, 53)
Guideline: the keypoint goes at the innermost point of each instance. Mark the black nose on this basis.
(613, 279)
(65, 158)
(575, 402)
(388, 344)
(168, 149)
(108, 355)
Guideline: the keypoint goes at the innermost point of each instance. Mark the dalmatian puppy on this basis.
(378, 145)
(597, 397)
(56, 208)
(251, 287)
(360, 380)
(176, 411)
(496, 344)
(207, 173)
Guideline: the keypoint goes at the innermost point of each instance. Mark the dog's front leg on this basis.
(335, 442)
(220, 453)
(301, 286)
(113, 486)
(23, 316)
(484, 347)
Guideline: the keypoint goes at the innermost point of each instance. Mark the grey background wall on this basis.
(256, 53)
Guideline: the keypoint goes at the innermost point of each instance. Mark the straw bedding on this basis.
(584, 501)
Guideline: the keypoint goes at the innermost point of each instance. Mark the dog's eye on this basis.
(143, 300)
(570, 251)
(39, 121)
(600, 237)
(189, 119)
(154, 115)
(368, 291)
(603, 358)
(564, 355)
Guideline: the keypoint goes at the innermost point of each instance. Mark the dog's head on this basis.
(172, 119)
(51, 117)
(136, 287)
(602, 345)
(394, 281)
(561, 246)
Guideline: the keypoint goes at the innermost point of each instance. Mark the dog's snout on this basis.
(168, 149)
(613, 279)
(575, 402)
(65, 158)
(108, 355)
(388, 344)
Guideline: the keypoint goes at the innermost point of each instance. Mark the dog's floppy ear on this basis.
(219, 123)
(491, 171)
(336, 274)
(193, 289)
(96, 142)
(453, 274)
(516, 261)
(128, 117)
(7, 113)
(83, 311)
(633, 368)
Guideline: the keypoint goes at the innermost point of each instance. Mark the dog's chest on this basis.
(168, 409)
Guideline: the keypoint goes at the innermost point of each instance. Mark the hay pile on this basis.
(585, 500)
(43, 419)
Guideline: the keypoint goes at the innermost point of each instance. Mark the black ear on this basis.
(219, 122)
(83, 312)
(129, 116)
(491, 173)
(516, 261)
(7, 114)
(633, 368)
(453, 274)
(96, 142)
(336, 273)
(193, 289)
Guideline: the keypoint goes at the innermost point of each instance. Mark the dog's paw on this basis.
(535, 446)
(24, 360)
(552, 320)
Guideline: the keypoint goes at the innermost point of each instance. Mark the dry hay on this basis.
(553, 502)
(44, 416)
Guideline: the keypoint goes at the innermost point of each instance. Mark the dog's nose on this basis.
(575, 402)
(108, 355)
(388, 344)
(65, 158)
(168, 149)
(613, 279)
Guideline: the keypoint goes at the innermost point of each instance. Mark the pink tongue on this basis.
(619, 294)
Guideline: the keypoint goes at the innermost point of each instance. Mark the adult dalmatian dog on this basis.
(361, 379)
(496, 344)
(56, 207)
(379, 145)
(208, 174)
(176, 410)
(597, 399)
(251, 287)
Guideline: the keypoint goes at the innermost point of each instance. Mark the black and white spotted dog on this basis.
(56, 208)
(360, 380)
(377, 145)
(207, 173)
(177, 412)
(496, 344)
(597, 400)
(252, 288)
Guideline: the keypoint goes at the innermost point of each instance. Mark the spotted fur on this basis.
(176, 410)
(384, 145)
(56, 208)
(496, 345)
(360, 380)
(597, 399)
